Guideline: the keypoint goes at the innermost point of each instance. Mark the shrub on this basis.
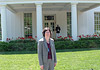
(31, 45)
(67, 44)
(18, 45)
(3, 46)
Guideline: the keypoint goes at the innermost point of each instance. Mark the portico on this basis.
(40, 8)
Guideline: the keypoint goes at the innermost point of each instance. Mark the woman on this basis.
(46, 51)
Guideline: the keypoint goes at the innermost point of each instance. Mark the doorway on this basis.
(49, 21)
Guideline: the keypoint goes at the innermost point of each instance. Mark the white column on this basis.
(74, 21)
(39, 20)
(4, 22)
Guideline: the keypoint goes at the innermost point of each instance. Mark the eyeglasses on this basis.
(47, 32)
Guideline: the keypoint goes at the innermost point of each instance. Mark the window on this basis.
(0, 28)
(69, 24)
(27, 24)
(97, 23)
(49, 17)
(49, 21)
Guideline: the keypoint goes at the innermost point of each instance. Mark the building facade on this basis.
(24, 18)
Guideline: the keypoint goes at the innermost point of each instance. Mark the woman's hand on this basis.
(54, 64)
(41, 67)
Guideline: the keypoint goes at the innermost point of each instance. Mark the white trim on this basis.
(91, 7)
(11, 9)
(87, 24)
(93, 23)
(39, 21)
(33, 25)
(26, 2)
(22, 24)
(74, 21)
(4, 22)
(39, 3)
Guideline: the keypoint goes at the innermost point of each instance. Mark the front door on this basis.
(49, 21)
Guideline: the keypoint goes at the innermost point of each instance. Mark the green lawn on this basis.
(76, 59)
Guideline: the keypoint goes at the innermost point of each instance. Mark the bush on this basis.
(22, 41)
(31, 45)
(67, 44)
(18, 45)
(89, 39)
(3, 46)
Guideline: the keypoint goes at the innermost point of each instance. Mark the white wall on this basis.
(86, 22)
(14, 25)
(34, 28)
(90, 20)
(0, 10)
(61, 20)
(82, 23)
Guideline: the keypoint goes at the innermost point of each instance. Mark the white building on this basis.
(23, 18)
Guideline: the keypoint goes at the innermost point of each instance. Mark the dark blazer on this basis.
(43, 51)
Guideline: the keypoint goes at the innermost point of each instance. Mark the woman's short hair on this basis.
(46, 29)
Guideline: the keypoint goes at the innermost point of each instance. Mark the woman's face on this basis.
(47, 33)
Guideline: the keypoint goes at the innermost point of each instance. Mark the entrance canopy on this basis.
(49, 5)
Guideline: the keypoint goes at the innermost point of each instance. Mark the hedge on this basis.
(18, 45)
(31, 45)
(77, 44)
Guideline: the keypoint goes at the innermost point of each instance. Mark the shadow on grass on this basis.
(57, 51)
(75, 50)
(18, 52)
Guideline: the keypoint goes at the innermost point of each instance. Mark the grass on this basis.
(76, 59)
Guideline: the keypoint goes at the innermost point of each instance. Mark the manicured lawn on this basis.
(76, 59)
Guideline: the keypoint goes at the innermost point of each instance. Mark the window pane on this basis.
(49, 17)
(0, 28)
(97, 23)
(27, 24)
(69, 24)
